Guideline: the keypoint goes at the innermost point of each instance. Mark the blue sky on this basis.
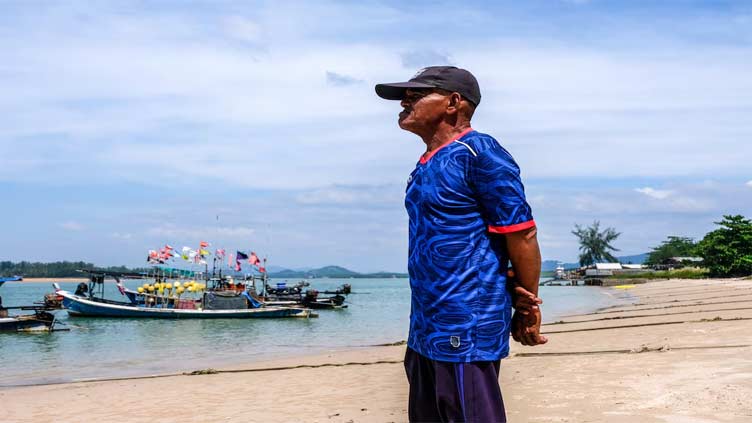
(254, 125)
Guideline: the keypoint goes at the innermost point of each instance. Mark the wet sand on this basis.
(681, 352)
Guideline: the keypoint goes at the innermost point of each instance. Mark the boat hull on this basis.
(84, 307)
(25, 324)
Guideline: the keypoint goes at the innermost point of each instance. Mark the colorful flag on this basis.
(239, 255)
(229, 260)
(187, 251)
(203, 253)
(204, 244)
(254, 260)
(262, 269)
(220, 253)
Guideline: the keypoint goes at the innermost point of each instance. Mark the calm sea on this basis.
(97, 347)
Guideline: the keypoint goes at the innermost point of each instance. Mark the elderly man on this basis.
(468, 220)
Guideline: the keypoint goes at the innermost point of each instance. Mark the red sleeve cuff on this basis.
(511, 228)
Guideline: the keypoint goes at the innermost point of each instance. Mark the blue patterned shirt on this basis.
(456, 198)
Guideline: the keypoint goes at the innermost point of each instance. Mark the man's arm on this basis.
(524, 254)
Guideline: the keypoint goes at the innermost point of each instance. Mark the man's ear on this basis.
(454, 103)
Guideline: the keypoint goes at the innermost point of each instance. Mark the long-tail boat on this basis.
(90, 302)
(41, 321)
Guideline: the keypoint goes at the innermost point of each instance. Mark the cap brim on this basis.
(396, 90)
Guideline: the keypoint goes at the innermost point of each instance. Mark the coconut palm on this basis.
(595, 246)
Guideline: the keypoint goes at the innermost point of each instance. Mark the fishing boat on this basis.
(309, 298)
(211, 305)
(10, 279)
(41, 321)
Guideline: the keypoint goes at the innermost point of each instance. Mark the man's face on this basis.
(423, 110)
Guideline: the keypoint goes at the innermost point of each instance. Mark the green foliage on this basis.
(683, 273)
(674, 246)
(727, 251)
(58, 269)
(595, 246)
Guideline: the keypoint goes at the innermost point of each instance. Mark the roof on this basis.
(633, 266)
(608, 266)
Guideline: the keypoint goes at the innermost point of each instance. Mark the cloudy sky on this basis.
(254, 125)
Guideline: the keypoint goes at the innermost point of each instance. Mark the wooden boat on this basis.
(309, 298)
(40, 321)
(98, 307)
(90, 302)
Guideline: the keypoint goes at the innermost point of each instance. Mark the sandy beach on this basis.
(680, 352)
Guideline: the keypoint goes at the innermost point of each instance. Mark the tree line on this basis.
(58, 269)
(725, 252)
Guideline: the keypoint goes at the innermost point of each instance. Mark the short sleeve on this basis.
(500, 193)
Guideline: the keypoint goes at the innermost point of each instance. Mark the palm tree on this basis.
(595, 246)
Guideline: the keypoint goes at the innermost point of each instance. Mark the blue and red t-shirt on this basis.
(457, 197)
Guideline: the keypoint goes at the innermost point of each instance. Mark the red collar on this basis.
(427, 156)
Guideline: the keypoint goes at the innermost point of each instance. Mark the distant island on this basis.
(68, 269)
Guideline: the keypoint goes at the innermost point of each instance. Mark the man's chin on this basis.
(405, 124)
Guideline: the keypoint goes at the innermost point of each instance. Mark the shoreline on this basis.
(594, 298)
(679, 352)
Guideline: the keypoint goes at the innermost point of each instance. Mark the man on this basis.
(468, 219)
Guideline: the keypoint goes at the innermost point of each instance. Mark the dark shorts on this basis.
(453, 392)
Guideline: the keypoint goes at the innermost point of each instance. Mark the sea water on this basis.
(378, 313)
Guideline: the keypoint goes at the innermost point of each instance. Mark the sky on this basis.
(127, 125)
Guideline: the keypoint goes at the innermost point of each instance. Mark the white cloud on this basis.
(72, 226)
(190, 234)
(238, 100)
(367, 196)
(749, 184)
(242, 28)
(655, 193)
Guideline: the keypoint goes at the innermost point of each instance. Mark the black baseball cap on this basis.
(448, 78)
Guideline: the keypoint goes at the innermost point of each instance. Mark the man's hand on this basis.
(526, 328)
(523, 300)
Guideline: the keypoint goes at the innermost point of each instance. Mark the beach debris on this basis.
(202, 372)
(641, 349)
(645, 348)
(392, 344)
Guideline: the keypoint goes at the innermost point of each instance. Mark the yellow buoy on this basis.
(168, 286)
(180, 290)
(150, 288)
(140, 290)
(177, 284)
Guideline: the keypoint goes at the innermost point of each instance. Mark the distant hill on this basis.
(332, 272)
